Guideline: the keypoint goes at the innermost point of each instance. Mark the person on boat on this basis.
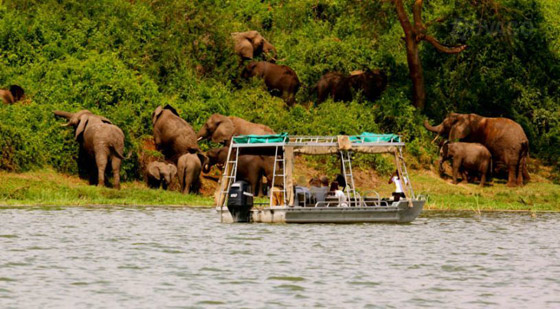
(396, 179)
(302, 193)
(341, 181)
(336, 192)
(325, 182)
(318, 191)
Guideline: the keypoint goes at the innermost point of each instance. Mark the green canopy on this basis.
(367, 137)
(260, 139)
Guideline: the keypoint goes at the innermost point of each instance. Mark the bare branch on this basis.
(403, 18)
(417, 14)
(442, 48)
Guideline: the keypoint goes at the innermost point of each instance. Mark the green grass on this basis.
(48, 188)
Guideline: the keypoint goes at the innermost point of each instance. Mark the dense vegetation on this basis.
(123, 58)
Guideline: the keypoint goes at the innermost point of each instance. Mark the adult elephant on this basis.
(339, 86)
(220, 129)
(100, 141)
(251, 44)
(173, 136)
(250, 168)
(504, 138)
(160, 174)
(280, 80)
(11, 95)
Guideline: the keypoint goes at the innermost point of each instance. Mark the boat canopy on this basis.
(321, 145)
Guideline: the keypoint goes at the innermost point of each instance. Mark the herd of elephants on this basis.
(476, 145)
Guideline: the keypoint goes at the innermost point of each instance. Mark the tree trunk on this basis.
(414, 34)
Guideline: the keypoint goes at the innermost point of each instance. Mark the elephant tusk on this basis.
(199, 139)
(65, 125)
(435, 138)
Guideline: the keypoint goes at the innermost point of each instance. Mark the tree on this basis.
(414, 34)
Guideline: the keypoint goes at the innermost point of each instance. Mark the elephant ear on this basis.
(459, 131)
(82, 124)
(153, 170)
(156, 114)
(224, 131)
(244, 48)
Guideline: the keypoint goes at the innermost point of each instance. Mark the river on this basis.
(183, 257)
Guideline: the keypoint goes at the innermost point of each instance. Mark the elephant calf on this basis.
(466, 157)
(280, 80)
(189, 167)
(101, 143)
(160, 174)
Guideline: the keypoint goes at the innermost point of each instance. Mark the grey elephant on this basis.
(251, 44)
(160, 174)
(504, 138)
(189, 167)
(280, 80)
(220, 129)
(11, 95)
(468, 158)
(101, 144)
(173, 136)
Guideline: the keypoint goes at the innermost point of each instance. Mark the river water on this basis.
(183, 257)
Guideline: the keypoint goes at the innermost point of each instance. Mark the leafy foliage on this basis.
(123, 58)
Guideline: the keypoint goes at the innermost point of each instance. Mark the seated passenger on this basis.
(336, 192)
(318, 192)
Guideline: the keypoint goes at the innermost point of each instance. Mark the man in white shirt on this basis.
(399, 192)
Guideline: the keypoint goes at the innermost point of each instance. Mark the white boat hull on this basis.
(399, 212)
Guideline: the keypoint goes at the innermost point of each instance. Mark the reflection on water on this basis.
(82, 257)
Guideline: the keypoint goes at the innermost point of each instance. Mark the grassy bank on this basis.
(46, 187)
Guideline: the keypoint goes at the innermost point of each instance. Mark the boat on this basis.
(235, 201)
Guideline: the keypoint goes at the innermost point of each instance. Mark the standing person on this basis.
(396, 179)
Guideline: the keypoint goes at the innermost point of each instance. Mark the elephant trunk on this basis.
(66, 115)
(436, 129)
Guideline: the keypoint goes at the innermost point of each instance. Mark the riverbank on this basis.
(48, 188)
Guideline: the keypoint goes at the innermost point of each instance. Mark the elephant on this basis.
(280, 80)
(189, 167)
(160, 174)
(220, 129)
(101, 144)
(251, 44)
(250, 167)
(504, 138)
(472, 158)
(173, 136)
(339, 86)
(13, 94)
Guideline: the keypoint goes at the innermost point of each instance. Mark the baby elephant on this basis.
(160, 174)
(189, 167)
(466, 157)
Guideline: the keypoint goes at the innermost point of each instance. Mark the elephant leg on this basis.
(181, 176)
(512, 180)
(101, 162)
(188, 183)
(116, 166)
(464, 176)
(482, 178)
(456, 166)
(526, 177)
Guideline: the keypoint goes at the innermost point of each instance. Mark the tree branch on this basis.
(442, 48)
(417, 14)
(403, 18)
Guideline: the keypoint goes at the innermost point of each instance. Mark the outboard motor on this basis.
(240, 201)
